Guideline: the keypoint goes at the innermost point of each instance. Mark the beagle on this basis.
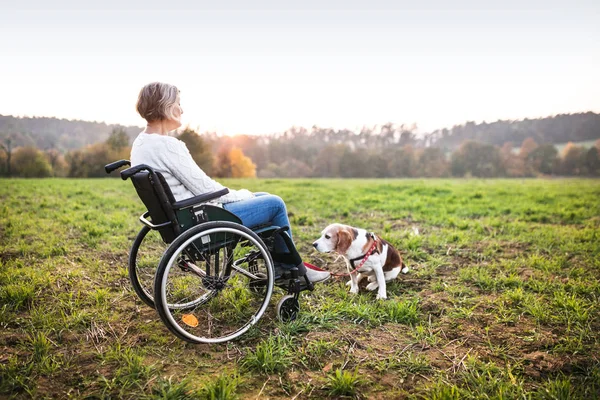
(383, 262)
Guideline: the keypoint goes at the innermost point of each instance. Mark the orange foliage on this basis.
(241, 166)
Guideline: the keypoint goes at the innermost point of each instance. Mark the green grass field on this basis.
(502, 300)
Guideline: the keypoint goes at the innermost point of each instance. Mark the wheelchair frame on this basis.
(197, 232)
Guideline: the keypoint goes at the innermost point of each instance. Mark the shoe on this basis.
(315, 274)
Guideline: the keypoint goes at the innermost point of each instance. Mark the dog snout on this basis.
(315, 244)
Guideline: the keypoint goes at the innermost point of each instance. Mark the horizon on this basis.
(418, 131)
(270, 68)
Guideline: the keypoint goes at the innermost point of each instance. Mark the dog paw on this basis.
(381, 296)
(354, 290)
(404, 270)
(372, 286)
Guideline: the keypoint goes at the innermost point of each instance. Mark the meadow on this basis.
(501, 302)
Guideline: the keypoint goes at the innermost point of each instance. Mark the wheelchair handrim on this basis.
(249, 324)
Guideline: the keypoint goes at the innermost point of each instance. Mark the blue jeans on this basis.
(264, 209)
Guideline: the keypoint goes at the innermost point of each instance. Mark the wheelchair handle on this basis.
(129, 172)
(115, 165)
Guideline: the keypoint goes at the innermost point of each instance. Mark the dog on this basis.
(383, 263)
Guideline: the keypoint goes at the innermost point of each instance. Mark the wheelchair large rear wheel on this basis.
(146, 252)
(221, 288)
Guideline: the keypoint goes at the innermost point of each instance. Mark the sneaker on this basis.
(315, 274)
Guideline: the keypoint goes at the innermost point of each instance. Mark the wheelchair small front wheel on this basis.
(223, 288)
(288, 308)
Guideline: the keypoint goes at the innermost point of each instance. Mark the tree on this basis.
(513, 165)
(527, 147)
(57, 162)
(544, 159)
(241, 166)
(293, 169)
(477, 159)
(222, 167)
(90, 161)
(118, 139)
(200, 149)
(432, 163)
(592, 161)
(7, 147)
(403, 162)
(327, 163)
(29, 162)
(573, 160)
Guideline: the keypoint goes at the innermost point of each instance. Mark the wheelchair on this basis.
(209, 277)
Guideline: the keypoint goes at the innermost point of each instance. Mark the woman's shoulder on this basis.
(162, 140)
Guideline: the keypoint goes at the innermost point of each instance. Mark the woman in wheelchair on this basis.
(159, 104)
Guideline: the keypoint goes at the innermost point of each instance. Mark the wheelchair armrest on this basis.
(129, 172)
(203, 198)
(115, 165)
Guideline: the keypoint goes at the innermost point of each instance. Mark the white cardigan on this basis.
(171, 157)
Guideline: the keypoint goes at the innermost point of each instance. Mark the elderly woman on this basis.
(158, 103)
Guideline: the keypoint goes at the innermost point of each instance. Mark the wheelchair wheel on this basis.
(214, 282)
(146, 252)
(288, 308)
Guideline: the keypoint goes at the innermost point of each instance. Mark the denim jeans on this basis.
(264, 209)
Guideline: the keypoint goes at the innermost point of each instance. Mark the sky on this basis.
(264, 66)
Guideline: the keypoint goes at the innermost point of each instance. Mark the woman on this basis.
(158, 103)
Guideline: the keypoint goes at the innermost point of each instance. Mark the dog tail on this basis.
(404, 269)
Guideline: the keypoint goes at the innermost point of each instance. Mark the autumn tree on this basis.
(29, 162)
(513, 164)
(232, 163)
(527, 147)
(57, 162)
(90, 161)
(241, 166)
(222, 164)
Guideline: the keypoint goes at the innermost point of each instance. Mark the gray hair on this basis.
(157, 101)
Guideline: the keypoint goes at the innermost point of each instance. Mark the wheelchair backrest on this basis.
(156, 195)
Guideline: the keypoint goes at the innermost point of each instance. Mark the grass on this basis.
(501, 301)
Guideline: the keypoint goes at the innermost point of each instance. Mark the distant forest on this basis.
(499, 149)
(60, 134)
(63, 135)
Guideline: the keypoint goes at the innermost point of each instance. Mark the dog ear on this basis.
(344, 240)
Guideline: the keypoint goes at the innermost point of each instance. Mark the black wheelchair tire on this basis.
(147, 296)
(161, 277)
(288, 308)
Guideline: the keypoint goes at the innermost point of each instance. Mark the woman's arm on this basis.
(183, 167)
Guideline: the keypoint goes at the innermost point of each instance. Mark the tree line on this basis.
(387, 151)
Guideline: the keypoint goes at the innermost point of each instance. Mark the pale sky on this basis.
(335, 64)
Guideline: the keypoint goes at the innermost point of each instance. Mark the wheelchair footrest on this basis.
(293, 282)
